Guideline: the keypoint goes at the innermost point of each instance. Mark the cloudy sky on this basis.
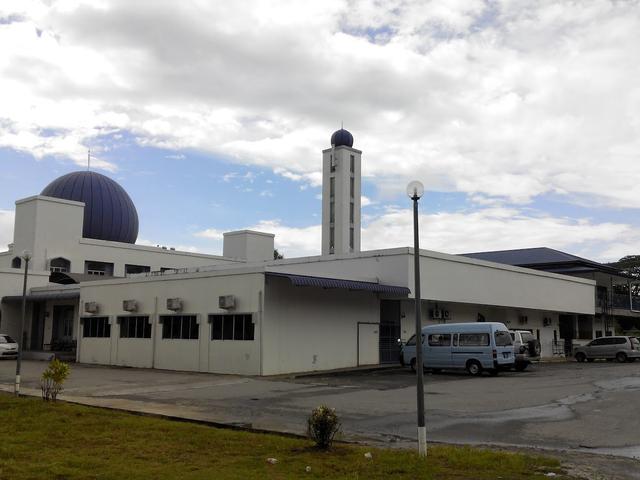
(522, 119)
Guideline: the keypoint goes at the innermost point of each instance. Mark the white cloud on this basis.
(495, 228)
(290, 241)
(502, 228)
(507, 99)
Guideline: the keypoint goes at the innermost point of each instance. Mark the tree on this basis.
(277, 255)
(630, 265)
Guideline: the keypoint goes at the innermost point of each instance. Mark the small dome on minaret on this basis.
(341, 138)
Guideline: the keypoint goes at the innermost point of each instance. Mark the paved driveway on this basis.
(595, 407)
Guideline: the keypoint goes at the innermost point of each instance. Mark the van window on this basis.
(474, 339)
(503, 339)
(440, 339)
(527, 337)
(412, 340)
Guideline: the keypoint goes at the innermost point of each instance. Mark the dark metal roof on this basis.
(109, 213)
(543, 258)
(324, 282)
(342, 137)
(39, 297)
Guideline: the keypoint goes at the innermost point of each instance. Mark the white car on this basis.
(8, 347)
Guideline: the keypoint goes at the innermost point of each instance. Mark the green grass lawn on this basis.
(41, 440)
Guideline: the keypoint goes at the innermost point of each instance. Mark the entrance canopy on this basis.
(325, 282)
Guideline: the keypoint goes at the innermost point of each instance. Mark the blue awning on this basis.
(324, 282)
(41, 297)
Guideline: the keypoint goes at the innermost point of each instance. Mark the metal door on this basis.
(389, 331)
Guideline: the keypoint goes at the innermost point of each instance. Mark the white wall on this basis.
(455, 279)
(308, 328)
(199, 293)
(50, 228)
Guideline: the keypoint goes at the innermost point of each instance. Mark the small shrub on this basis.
(53, 378)
(323, 425)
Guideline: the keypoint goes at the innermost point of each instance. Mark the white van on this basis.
(471, 346)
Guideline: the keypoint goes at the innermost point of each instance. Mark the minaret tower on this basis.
(341, 195)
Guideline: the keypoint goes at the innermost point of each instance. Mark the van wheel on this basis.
(621, 357)
(413, 365)
(580, 357)
(474, 367)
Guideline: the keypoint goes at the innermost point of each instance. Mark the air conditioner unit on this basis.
(174, 304)
(130, 305)
(523, 319)
(226, 301)
(91, 307)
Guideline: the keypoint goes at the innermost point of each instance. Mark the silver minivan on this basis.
(474, 347)
(623, 349)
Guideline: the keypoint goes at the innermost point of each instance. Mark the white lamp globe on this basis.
(415, 189)
(26, 255)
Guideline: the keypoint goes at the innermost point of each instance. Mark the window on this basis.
(332, 212)
(232, 327)
(440, 339)
(503, 338)
(96, 327)
(351, 233)
(352, 163)
(473, 339)
(59, 264)
(6, 339)
(98, 268)
(597, 341)
(16, 262)
(332, 187)
(351, 187)
(135, 327)
(351, 212)
(332, 238)
(332, 165)
(133, 269)
(179, 327)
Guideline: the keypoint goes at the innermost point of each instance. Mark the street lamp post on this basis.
(415, 190)
(26, 256)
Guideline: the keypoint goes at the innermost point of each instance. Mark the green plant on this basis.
(322, 426)
(53, 378)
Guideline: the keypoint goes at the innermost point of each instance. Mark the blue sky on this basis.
(522, 120)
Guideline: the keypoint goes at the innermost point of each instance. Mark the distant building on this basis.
(93, 291)
(615, 305)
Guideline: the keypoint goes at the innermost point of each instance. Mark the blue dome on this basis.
(109, 213)
(341, 137)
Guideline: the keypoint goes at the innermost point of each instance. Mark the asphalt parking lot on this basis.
(589, 407)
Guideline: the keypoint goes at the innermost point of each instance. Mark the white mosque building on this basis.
(94, 293)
